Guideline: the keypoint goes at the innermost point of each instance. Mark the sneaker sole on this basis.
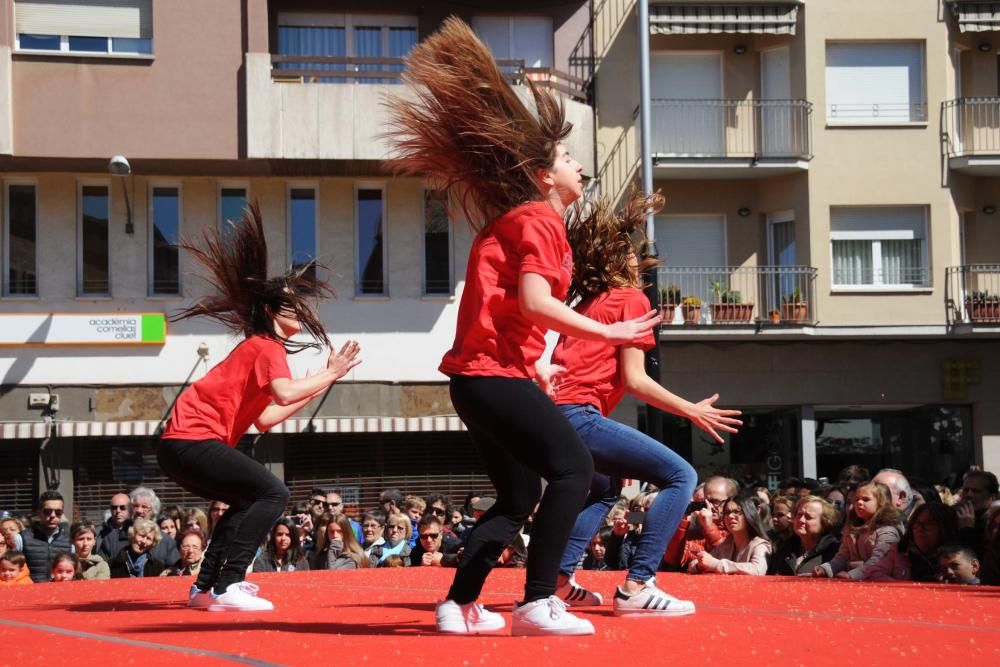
(654, 612)
(461, 630)
(220, 607)
(550, 632)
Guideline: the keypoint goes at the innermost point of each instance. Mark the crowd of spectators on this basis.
(862, 527)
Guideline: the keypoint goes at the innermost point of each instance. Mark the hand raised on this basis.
(630, 330)
(711, 419)
(342, 362)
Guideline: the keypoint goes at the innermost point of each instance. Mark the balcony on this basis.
(735, 296)
(730, 138)
(972, 134)
(972, 294)
(292, 114)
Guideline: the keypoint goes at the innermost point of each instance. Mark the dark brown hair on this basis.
(467, 131)
(603, 243)
(248, 300)
(885, 515)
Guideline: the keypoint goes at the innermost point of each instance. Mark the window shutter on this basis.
(691, 241)
(899, 222)
(85, 18)
(875, 82)
(495, 33)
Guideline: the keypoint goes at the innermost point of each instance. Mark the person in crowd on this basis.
(596, 551)
(979, 491)
(746, 548)
(84, 538)
(836, 497)
(397, 540)
(215, 511)
(113, 534)
(391, 501)
(167, 526)
(454, 524)
(958, 565)
(176, 513)
(990, 562)
(10, 534)
(782, 519)
(467, 517)
(196, 519)
(815, 538)
(434, 547)
(65, 567)
(900, 488)
(14, 568)
(336, 546)
(146, 505)
(914, 557)
(46, 536)
(335, 504)
(395, 561)
(282, 553)
(871, 528)
(850, 477)
(945, 494)
(763, 493)
(414, 507)
(703, 528)
(372, 530)
(302, 516)
(138, 560)
(192, 547)
(317, 504)
(437, 505)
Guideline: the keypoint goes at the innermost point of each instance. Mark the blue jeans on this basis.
(621, 452)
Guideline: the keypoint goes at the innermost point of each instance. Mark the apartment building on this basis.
(212, 105)
(830, 241)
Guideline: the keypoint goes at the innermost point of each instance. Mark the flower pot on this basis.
(667, 311)
(731, 313)
(692, 314)
(775, 317)
(794, 312)
(983, 311)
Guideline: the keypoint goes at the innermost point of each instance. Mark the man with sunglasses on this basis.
(113, 536)
(46, 537)
(435, 547)
(335, 505)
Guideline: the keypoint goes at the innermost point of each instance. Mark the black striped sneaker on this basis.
(650, 601)
(578, 596)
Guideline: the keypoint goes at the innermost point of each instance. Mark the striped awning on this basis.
(977, 16)
(146, 428)
(692, 19)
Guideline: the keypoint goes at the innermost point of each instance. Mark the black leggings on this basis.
(216, 471)
(522, 437)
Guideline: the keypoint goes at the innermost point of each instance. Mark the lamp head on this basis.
(119, 166)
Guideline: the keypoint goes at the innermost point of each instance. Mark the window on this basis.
(20, 243)
(437, 244)
(165, 220)
(122, 27)
(527, 38)
(875, 83)
(95, 250)
(302, 228)
(370, 230)
(232, 202)
(347, 35)
(880, 246)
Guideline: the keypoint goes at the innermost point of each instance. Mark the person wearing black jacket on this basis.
(814, 540)
(434, 547)
(46, 537)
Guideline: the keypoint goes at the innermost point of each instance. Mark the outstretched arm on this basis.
(539, 306)
(703, 414)
(286, 392)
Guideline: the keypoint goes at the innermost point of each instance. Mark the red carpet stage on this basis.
(386, 617)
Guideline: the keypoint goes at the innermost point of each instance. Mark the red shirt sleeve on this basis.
(270, 364)
(637, 305)
(543, 248)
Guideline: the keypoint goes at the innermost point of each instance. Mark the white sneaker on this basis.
(547, 616)
(466, 619)
(241, 596)
(198, 598)
(650, 601)
(577, 596)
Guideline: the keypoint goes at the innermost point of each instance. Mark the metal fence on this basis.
(972, 294)
(734, 295)
(971, 125)
(732, 128)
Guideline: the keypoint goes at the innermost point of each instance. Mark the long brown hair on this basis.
(248, 300)
(885, 515)
(352, 549)
(603, 243)
(467, 131)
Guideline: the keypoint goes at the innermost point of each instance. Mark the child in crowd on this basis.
(14, 568)
(65, 567)
(10, 535)
(958, 565)
(745, 549)
(915, 556)
(92, 566)
(872, 527)
(597, 550)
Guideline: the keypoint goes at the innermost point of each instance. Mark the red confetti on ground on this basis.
(386, 616)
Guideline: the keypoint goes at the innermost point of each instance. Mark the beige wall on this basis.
(181, 104)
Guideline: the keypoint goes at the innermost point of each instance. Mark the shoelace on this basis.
(248, 588)
(556, 607)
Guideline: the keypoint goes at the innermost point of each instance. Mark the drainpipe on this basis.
(654, 418)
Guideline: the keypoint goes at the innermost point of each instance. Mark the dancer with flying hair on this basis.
(595, 376)
(505, 166)
(253, 385)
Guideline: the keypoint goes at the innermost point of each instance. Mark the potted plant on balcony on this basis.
(794, 307)
(670, 298)
(774, 316)
(983, 306)
(728, 306)
(691, 307)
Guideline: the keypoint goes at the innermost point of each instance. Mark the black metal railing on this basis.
(734, 295)
(732, 128)
(971, 126)
(972, 294)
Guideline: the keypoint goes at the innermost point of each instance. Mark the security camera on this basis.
(119, 166)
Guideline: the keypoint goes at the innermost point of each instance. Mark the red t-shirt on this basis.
(223, 404)
(493, 338)
(593, 374)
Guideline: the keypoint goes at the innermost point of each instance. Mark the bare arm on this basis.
(286, 391)
(275, 414)
(703, 414)
(538, 305)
